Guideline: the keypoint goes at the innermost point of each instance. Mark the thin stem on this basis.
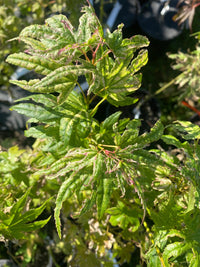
(94, 96)
(196, 5)
(167, 85)
(112, 146)
(85, 99)
(97, 105)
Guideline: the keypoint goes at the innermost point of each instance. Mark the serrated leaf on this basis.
(29, 216)
(42, 114)
(35, 44)
(172, 140)
(41, 132)
(104, 186)
(74, 128)
(114, 40)
(16, 222)
(48, 100)
(39, 32)
(67, 188)
(39, 64)
(104, 192)
(63, 75)
(27, 85)
(89, 203)
(73, 160)
(17, 207)
(130, 134)
(31, 226)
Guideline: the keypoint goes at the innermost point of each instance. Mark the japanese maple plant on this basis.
(103, 174)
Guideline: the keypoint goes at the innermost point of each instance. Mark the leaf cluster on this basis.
(113, 187)
(187, 65)
(15, 15)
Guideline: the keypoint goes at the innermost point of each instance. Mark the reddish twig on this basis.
(191, 107)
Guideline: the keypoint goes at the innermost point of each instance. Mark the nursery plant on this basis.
(117, 194)
(186, 64)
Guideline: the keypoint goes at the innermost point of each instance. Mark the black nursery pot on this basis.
(156, 19)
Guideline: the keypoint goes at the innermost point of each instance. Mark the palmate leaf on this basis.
(16, 223)
(131, 139)
(82, 168)
(123, 216)
(80, 153)
(168, 220)
(116, 79)
(109, 78)
(124, 48)
(92, 164)
(17, 208)
(91, 169)
(69, 122)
